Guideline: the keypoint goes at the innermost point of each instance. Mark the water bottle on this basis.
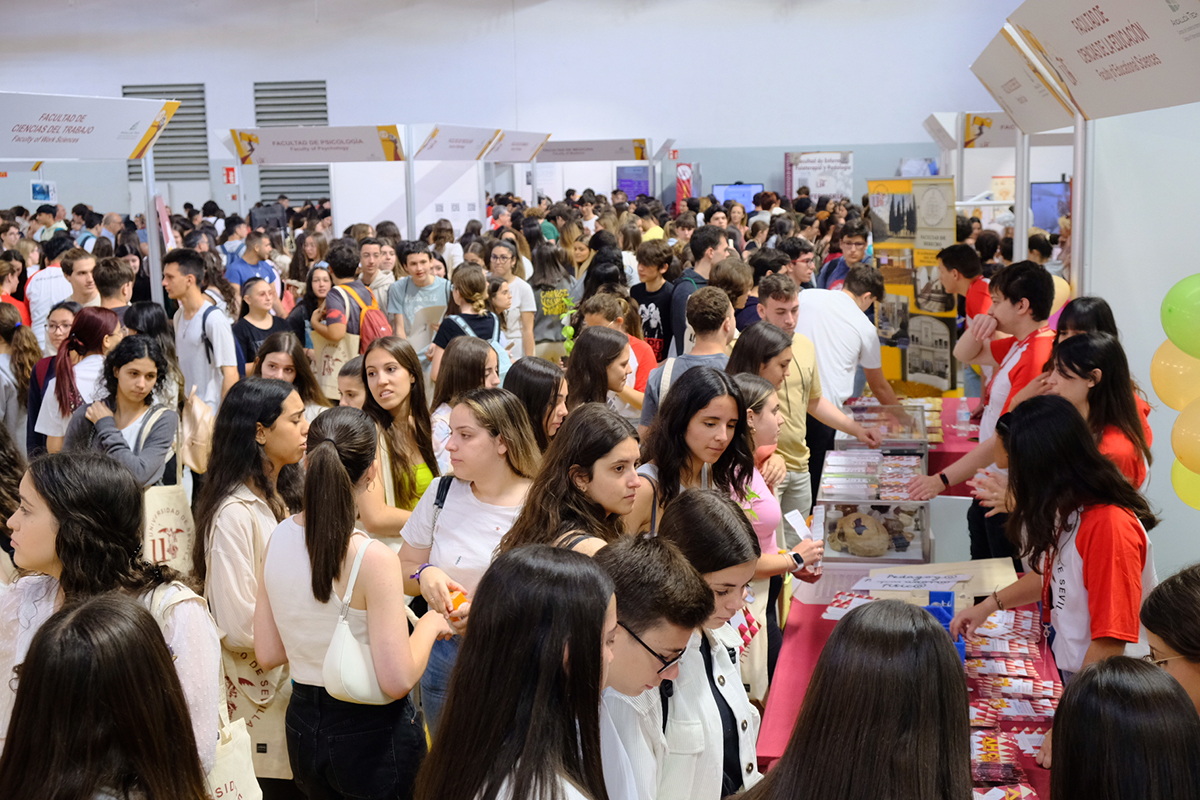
(962, 418)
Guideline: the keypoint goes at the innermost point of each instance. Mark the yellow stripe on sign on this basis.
(389, 136)
(487, 145)
(37, 165)
(639, 149)
(156, 127)
(889, 187)
(539, 148)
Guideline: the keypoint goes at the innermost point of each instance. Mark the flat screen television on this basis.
(737, 192)
(1049, 201)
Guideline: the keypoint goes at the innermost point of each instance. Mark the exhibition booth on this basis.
(1104, 73)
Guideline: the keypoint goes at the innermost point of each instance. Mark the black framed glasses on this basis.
(666, 663)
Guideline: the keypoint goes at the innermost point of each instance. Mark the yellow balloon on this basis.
(1185, 437)
(1187, 484)
(1175, 376)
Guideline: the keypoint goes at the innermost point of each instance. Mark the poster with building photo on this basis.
(826, 174)
(892, 312)
(930, 355)
(929, 296)
(893, 211)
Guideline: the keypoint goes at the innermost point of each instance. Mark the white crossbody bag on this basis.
(348, 671)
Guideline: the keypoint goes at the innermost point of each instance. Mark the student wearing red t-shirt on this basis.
(1083, 527)
(961, 273)
(1022, 294)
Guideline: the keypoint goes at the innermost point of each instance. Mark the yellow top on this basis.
(801, 386)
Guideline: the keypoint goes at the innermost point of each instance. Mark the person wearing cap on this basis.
(45, 224)
(650, 228)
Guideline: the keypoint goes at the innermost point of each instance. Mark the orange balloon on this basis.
(1175, 376)
(1185, 437)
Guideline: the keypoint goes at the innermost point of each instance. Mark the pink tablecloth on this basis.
(803, 638)
(953, 446)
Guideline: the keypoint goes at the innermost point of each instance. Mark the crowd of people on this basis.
(504, 515)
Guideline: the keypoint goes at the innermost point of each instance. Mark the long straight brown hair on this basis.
(889, 688)
(341, 448)
(68, 739)
(397, 436)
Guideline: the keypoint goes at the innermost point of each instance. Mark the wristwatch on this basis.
(799, 561)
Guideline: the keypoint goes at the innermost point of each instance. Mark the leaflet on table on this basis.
(1011, 624)
(890, 582)
(1012, 791)
(1007, 667)
(977, 647)
(1030, 740)
(845, 602)
(1038, 709)
(994, 757)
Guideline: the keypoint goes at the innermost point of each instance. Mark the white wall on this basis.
(709, 73)
(1046, 164)
(1146, 168)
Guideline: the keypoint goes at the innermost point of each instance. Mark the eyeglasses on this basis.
(501, 257)
(1158, 662)
(846, 244)
(52, 326)
(666, 663)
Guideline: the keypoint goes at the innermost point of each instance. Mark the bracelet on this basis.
(996, 597)
(945, 480)
(416, 576)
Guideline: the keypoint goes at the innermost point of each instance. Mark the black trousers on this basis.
(819, 438)
(347, 750)
(988, 539)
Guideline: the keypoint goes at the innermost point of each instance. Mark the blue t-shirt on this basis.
(239, 271)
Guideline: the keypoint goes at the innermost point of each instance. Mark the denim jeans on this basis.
(436, 680)
(354, 751)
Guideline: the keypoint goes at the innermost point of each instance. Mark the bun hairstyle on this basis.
(471, 284)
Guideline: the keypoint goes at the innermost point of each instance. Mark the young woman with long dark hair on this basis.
(700, 438)
(446, 550)
(317, 286)
(77, 369)
(77, 533)
(469, 363)
(407, 464)
(542, 389)
(281, 356)
(1081, 525)
(1125, 730)
(127, 424)
(890, 682)
(764, 350)
(260, 430)
(536, 660)
(587, 484)
(68, 738)
(58, 328)
(711, 727)
(316, 564)
(599, 366)
(552, 281)
(12, 469)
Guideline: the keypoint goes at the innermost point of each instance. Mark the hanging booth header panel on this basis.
(53, 126)
(316, 144)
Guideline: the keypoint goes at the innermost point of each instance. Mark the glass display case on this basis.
(903, 426)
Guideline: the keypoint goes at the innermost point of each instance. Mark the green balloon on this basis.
(1181, 315)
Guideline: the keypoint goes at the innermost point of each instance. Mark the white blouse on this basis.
(188, 630)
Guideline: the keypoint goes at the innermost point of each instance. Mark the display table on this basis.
(953, 446)
(803, 638)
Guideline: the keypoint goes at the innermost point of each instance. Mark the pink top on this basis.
(765, 513)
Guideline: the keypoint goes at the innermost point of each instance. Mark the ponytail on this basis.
(24, 350)
(341, 448)
(92, 325)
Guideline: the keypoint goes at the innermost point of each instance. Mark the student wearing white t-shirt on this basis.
(458, 523)
(844, 340)
(520, 314)
(661, 601)
(94, 333)
(527, 696)
(203, 335)
(1082, 526)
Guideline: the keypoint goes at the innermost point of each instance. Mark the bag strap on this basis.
(374, 304)
(664, 383)
(462, 323)
(208, 345)
(358, 559)
(439, 500)
(495, 329)
(148, 422)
